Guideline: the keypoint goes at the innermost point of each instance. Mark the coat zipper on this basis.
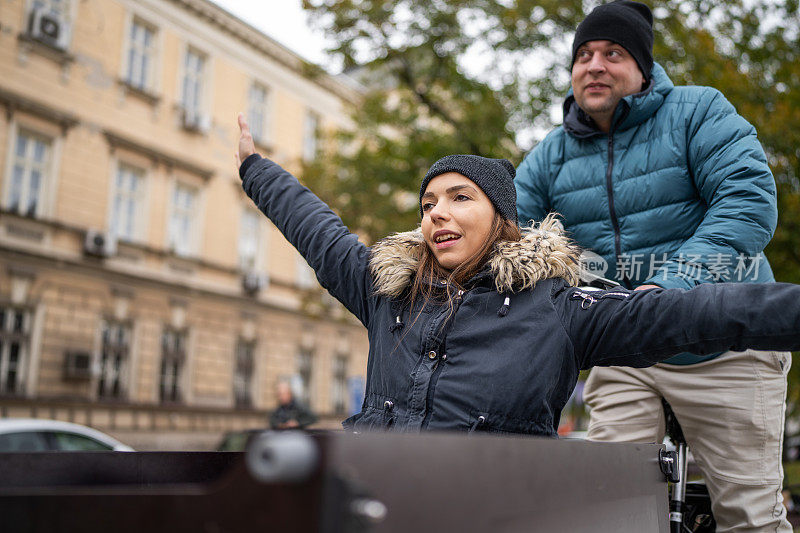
(588, 299)
(612, 210)
(437, 367)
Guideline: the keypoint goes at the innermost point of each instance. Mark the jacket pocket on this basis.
(780, 361)
(615, 294)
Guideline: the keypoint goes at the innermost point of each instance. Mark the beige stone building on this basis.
(140, 291)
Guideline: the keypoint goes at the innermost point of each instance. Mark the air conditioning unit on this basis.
(99, 244)
(197, 122)
(48, 28)
(77, 365)
(252, 282)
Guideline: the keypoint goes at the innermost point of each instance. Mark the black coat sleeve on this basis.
(339, 260)
(641, 328)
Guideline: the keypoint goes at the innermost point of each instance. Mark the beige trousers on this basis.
(731, 410)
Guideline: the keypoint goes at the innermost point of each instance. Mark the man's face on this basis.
(604, 73)
(284, 394)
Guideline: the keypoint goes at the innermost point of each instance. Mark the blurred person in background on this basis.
(291, 413)
(670, 186)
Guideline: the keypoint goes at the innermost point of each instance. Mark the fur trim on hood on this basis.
(543, 252)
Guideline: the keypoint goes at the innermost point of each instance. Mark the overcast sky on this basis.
(285, 21)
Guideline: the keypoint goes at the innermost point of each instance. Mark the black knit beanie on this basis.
(627, 23)
(495, 177)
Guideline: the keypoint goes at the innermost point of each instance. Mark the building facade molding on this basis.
(118, 140)
(29, 44)
(14, 102)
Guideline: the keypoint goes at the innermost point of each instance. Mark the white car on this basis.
(38, 435)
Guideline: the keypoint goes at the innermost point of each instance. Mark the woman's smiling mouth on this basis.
(445, 239)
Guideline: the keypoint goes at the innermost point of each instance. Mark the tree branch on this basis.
(406, 74)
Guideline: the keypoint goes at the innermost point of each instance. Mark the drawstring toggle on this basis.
(398, 324)
(503, 311)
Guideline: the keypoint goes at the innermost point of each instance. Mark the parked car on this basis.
(37, 435)
(237, 441)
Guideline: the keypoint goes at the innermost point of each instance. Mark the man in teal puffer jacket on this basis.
(671, 188)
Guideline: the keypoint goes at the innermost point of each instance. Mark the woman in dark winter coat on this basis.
(475, 325)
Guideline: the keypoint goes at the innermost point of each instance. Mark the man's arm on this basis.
(532, 184)
(276, 418)
(730, 171)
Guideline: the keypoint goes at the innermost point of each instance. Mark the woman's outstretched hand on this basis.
(246, 146)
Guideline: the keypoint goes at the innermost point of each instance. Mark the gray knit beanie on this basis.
(495, 177)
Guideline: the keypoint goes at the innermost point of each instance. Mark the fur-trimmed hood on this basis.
(543, 252)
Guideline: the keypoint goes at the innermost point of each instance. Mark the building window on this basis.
(14, 343)
(194, 66)
(304, 363)
(114, 360)
(249, 237)
(29, 172)
(173, 355)
(141, 55)
(259, 113)
(243, 373)
(340, 384)
(180, 238)
(310, 136)
(128, 203)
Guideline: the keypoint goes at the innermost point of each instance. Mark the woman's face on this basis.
(456, 218)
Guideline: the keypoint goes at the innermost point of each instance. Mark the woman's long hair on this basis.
(429, 270)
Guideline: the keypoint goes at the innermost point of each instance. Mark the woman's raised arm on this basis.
(337, 257)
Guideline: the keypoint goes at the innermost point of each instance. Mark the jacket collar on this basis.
(544, 252)
(631, 111)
